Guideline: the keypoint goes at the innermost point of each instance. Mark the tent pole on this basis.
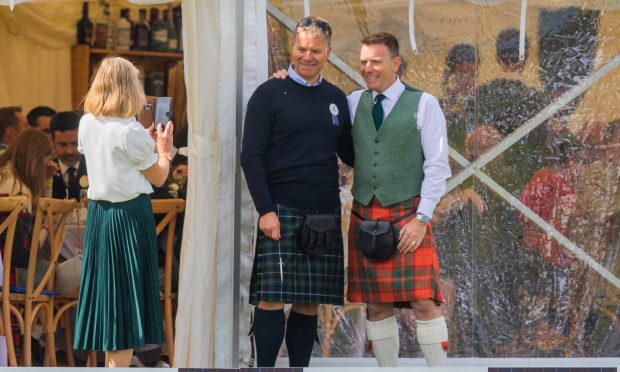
(238, 183)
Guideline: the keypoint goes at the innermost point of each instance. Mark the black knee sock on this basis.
(268, 335)
(300, 336)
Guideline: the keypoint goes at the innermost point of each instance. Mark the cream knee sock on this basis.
(385, 342)
(432, 336)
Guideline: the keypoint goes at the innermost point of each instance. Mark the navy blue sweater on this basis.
(290, 141)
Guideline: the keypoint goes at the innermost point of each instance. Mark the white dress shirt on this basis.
(431, 124)
(117, 150)
(64, 170)
(298, 79)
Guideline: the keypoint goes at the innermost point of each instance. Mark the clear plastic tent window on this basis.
(528, 234)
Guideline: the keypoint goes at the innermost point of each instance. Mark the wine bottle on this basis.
(85, 27)
(176, 16)
(123, 31)
(173, 36)
(159, 32)
(142, 32)
(102, 30)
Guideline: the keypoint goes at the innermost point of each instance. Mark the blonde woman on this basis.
(118, 306)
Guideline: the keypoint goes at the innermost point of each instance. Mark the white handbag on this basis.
(68, 273)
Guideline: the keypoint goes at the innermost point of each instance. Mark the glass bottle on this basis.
(177, 14)
(101, 29)
(142, 32)
(159, 32)
(85, 27)
(123, 31)
(173, 36)
(111, 39)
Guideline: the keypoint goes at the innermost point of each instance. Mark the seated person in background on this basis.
(40, 118)
(26, 165)
(71, 164)
(12, 121)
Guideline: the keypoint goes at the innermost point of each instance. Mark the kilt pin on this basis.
(282, 272)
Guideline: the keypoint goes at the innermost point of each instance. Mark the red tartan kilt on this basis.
(403, 277)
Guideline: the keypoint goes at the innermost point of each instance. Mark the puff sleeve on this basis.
(139, 146)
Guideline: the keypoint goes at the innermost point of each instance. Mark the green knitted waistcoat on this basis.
(388, 162)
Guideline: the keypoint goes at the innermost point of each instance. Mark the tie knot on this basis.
(380, 97)
(72, 171)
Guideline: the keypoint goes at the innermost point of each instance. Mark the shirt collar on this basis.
(64, 167)
(298, 79)
(393, 92)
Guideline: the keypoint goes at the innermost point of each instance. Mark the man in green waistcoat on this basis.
(401, 165)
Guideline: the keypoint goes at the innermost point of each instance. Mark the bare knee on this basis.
(264, 305)
(426, 309)
(305, 309)
(379, 311)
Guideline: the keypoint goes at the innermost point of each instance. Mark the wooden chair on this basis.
(37, 299)
(170, 208)
(64, 303)
(12, 205)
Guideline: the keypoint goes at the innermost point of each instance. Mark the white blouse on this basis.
(117, 151)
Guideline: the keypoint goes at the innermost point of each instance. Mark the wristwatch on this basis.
(424, 219)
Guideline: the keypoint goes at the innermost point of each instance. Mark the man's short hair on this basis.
(314, 25)
(64, 121)
(384, 38)
(461, 54)
(507, 47)
(8, 118)
(37, 112)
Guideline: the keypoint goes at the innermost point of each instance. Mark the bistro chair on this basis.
(169, 208)
(36, 299)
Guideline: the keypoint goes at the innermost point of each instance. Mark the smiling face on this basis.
(310, 53)
(378, 67)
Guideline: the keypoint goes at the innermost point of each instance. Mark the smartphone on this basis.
(163, 110)
(156, 110)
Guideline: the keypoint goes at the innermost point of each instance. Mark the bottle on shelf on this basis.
(111, 39)
(85, 27)
(123, 31)
(159, 32)
(142, 32)
(173, 36)
(101, 29)
(177, 15)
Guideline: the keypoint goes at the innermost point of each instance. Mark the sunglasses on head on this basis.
(309, 21)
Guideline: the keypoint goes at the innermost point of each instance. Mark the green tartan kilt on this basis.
(305, 278)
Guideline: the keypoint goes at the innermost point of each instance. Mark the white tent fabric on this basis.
(204, 321)
(255, 71)
(204, 325)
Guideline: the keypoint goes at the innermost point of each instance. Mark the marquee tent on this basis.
(229, 46)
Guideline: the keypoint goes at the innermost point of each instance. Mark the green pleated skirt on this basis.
(119, 306)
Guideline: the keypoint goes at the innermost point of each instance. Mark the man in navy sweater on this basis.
(294, 128)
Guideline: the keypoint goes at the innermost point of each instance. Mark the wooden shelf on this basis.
(84, 59)
(138, 53)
